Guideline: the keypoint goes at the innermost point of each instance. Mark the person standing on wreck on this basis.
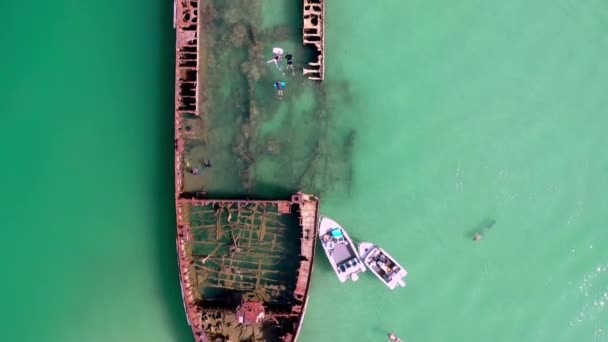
(279, 86)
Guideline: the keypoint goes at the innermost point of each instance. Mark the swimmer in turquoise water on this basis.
(276, 60)
(393, 338)
(486, 226)
(279, 86)
(278, 53)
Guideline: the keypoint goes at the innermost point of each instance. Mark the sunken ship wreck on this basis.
(244, 265)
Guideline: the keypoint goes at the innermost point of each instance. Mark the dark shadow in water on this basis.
(380, 330)
(482, 227)
(163, 228)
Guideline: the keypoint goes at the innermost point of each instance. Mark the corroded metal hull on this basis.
(244, 266)
(313, 33)
(239, 254)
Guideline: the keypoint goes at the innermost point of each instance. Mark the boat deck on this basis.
(342, 253)
(391, 266)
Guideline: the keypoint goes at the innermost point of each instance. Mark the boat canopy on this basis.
(336, 232)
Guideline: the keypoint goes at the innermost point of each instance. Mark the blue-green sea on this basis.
(435, 118)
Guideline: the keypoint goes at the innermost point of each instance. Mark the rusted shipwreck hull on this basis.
(244, 266)
(313, 33)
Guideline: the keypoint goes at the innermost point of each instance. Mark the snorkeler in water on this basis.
(279, 86)
(393, 338)
(487, 225)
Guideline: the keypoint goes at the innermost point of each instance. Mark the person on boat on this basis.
(279, 86)
(289, 58)
(393, 338)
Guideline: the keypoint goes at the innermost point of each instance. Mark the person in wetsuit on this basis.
(289, 59)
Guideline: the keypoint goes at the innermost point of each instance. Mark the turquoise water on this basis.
(475, 111)
(435, 117)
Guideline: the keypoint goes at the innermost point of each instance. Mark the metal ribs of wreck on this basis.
(187, 26)
(314, 34)
(226, 275)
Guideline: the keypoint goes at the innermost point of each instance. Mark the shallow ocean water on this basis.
(435, 118)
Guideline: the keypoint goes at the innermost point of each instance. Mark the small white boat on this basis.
(384, 266)
(340, 250)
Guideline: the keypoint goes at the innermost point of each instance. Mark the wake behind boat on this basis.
(340, 250)
(382, 265)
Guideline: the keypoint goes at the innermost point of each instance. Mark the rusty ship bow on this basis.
(245, 266)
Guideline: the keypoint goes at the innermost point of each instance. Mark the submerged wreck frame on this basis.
(220, 274)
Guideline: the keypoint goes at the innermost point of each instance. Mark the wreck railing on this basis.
(314, 34)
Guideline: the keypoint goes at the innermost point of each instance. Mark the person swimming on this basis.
(393, 338)
(279, 86)
(487, 225)
(278, 52)
(276, 60)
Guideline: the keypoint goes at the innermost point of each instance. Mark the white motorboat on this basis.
(384, 266)
(340, 250)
